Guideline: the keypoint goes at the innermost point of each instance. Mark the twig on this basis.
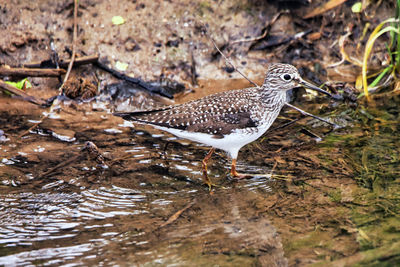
(310, 134)
(286, 124)
(25, 72)
(335, 126)
(226, 59)
(176, 215)
(74, 37)
(30, 129)
(63, 63)
(136, 81)
(345, 57)
(80, 61)
(62, 164)
(9, 88)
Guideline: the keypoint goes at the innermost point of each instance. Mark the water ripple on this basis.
(48, 256)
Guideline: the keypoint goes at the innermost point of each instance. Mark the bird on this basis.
(227, 120)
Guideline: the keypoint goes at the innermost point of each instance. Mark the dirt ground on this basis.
(143, 202)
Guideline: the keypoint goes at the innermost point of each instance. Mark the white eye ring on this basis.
(286, 77)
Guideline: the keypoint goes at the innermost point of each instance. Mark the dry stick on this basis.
(30, 128)
(286, 124)
(11, 89)
(80, 61)
(25, 72)
(335, 126)
(176, 215)
(289, 105)
(76, 4)
(34, 70)
(64, 63)
(58, 166)
(74, 37)
(139, 82)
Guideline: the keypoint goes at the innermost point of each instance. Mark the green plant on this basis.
(393, 51)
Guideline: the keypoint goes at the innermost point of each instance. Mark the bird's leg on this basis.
(235, 174)
(204, 165)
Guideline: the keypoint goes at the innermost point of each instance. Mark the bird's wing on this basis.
(218, 114)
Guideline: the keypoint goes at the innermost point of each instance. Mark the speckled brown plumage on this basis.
(217, 115)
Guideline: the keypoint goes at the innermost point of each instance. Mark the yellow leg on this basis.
(235, 174)
(204, 165)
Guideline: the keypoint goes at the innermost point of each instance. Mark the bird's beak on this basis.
(313, 87)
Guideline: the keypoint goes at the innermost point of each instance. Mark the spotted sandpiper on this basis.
(227, 120)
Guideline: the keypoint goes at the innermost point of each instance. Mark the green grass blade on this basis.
(368, 48)
(381, 75)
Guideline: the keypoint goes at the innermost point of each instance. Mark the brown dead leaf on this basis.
(325, 7)
(314, 36)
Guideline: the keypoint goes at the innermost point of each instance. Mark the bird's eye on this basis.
(287, 77)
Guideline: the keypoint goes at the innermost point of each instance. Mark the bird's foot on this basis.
(210, 186)
(239, 176)
(207, 180)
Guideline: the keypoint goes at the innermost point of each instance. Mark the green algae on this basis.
(371, 148)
